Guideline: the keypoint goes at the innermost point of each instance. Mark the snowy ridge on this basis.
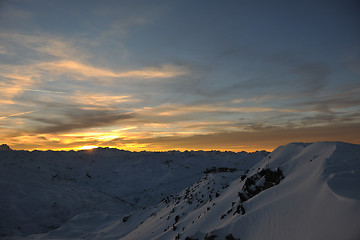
(299, 191)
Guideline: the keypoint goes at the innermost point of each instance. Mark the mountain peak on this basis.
(5, 147)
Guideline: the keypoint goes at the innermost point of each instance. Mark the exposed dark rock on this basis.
(210, 237)
(219, 170)
(251, 188)
(231, 237)
(240, 209)
(126, 218)
(177, 218)
(189, 238)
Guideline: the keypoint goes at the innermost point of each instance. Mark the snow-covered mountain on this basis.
(299, 191)
(40, 191)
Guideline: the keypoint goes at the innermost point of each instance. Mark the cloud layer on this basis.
(160, 75)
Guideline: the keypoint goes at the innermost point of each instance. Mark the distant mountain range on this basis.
(298, 191)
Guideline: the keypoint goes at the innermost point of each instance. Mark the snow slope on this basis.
(40, 191)
(299, 191)
(317, 199)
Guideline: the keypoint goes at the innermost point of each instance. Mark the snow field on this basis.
(299, 191)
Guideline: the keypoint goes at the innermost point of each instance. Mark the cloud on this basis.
(267, 139)
(22, 72)
(251, 73)
(68, 66)
(76, 119)
(173, 110)
(42, 43)
(15, 114)
(331, 118)
(41, 91)
(131, 14)
(12, 84)
(91, 99)
(190, 109)
(8, 92)
(345, 99)
(3, 50)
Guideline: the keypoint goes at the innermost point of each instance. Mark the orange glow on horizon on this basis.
(149, 148)
(185, 137)
(87, 147)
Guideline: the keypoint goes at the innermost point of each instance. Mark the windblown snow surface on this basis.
(299, 191)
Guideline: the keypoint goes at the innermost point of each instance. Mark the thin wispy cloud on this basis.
(43, 43)
(178, 109)
(40, 90)
(15, 114)
(3, 50)
(92, 99)
(69, 67)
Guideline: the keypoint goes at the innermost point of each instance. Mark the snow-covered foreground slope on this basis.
(41, 191)
(299, 191)
(318, 198)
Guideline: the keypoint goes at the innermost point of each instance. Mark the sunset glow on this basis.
(87, 147)
(168, 75)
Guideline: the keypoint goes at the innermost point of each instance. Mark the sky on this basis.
(178, 75)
